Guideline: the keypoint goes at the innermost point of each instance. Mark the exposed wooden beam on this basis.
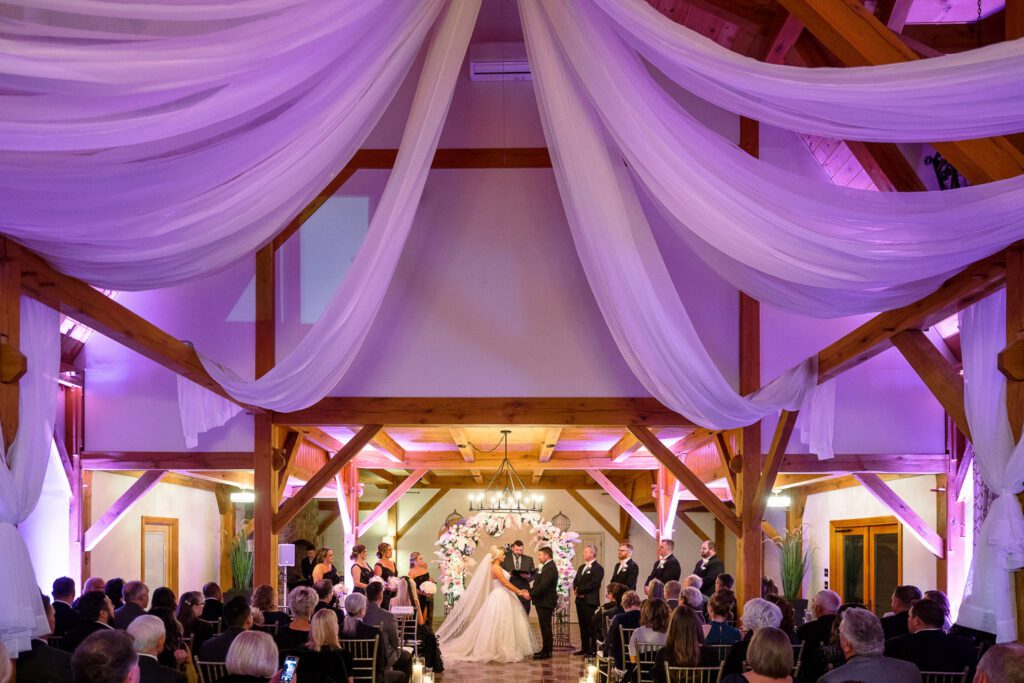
(389, 447)
(230, 480)
(592, 511)
(320, 438)
(839, 483)
(941, 378)
(391, 499)
(893, 13)
(750, 15)
(1014, 331)
(294, 505)
(345, 509)
(548, 443)
(726, 456)
(13, 363)
(887, 167)
(461, 439)
(423, 509)
(166, 460)
(785, 31)
(692, 441)
(268, 495)
(791, 481)
(624, 502)
(773, 463)
(622, 449)
(686, 477)
(870, 462)
(903, 512)
(693, 526)
(963, 470)
(116, 512)
(770, 533)
(566, 460)
(412, 411)
(265, 322)
(292, 441)
(332, 515)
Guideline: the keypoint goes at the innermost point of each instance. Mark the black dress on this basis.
(426, 601)
(386, 574)
(365, 574)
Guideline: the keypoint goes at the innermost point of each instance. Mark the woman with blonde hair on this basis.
(323, 566)
(322, 658)
(252, 657)
(419, 572)
(407, 597)
(488, 623)
(385, 569)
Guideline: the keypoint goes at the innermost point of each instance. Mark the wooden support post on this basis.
(548, 443)
(903, 512)
(749, 561)
(390, 500)
(227, 533)
(625, 503)
(12, 361)
(592, 511)
(109, 519)
(624, 447)
(265, 483)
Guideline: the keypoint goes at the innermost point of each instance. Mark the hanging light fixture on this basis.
(506, 492)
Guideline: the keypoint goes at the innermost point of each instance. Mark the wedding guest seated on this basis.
(355, 629)
(609, 610)
(655, 589)
(1000, 664)
(136, 600)
(397, 658)
(326, 599)
(114, 588)
(252, 658)
(724, 581)
(175, 653)
(768, 587)
(408, 597)
(630, 618)
(107, 656)
(718, 630)
(67, 618)
(163, 597)
(770, 658)
(43, 663)
(788, 623)
(694, 599)
(691, 580)
(94, 584)
(682, 645)
(942, 599)
(863, 643)
(757, 613)
(832, 653)
(895, 624)
(149, 634)
(213, 607)
(654, 616)
(97, 615)
(237, 620)
(673, 592)
(264, 598)
(190, 608)
(321, 659)
(816, 634)
(301, 601)
(927, 645)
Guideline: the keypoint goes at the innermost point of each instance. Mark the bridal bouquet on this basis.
(392, 584)
(340, 591)
(428, 587)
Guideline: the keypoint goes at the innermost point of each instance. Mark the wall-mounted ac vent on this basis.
(498, 62)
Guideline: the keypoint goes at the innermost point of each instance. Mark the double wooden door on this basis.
(866, 560)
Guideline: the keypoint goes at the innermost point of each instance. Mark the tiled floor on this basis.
(562, 667)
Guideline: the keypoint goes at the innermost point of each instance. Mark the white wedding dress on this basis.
(488, 624)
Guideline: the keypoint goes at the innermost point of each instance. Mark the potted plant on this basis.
(795, 555)
(241, 564)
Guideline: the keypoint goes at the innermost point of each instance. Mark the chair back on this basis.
(604, 667)
(364, 658)
(694, 674)
(624, 635)
(646, 653)
(209, 672)
(407, 624)
(721, 651)
(266, 628)
(215, 625)
(945, 677)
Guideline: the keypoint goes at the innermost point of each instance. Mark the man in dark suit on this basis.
(626, 571)
(667, 567)
(213, 602)
(327, 599)
(586, 586)
(237, 618)
(397, 658)
(520, 569)
(307, 565)
(927, 645)
(136, 600)
(44, 664)
(355, 606)
(816, 634)
(149, 634)
(97, 614)
(66, 617)
(94, 584)
(544, 594)
(107, 656)
(895, 624)
(708, 567)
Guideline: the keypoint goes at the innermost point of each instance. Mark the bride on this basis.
(488, 624)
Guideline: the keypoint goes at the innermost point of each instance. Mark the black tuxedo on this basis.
(709, 573)
(66, 617)
(587, 587)
(545, 597)
(213, 610)
(216, 648)
(628, 576)
(84, 630)
(150, 671)
(933, 651)
(814, 635)
(520, 578)
(895, 625)
(665, 570)
(43, 664)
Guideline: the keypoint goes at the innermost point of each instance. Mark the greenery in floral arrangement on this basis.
(794, 561)
(241, 562)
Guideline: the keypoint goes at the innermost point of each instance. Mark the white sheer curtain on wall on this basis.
(974, 90)
(22, 471)
(201, 410)
(1000, 545)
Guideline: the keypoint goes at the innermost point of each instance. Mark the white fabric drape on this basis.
(800, 244)
(200, 152)
(817, 420)
(979, 92)
(622, 263)
(999, 549)
(22, 470)
(319, 361)
(201, 410)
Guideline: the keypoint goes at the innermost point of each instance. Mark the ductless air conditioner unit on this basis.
(498, 62)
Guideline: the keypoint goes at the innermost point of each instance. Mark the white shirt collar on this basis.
(146, 654)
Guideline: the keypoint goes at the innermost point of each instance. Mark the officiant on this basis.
(520, 567)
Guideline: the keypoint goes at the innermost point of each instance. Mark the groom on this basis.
(544, 594)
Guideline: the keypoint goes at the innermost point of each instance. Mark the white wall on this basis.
(118, 553)
(47, 529)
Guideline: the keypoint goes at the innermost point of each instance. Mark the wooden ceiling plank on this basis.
(389, 447)
(461, 438)
(166, 460)
(548, 443)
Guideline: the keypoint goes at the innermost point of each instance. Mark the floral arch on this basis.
(461, 539)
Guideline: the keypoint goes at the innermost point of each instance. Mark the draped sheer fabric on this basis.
(999, 549)
(975, 90)
(22, 470)
(201, 410)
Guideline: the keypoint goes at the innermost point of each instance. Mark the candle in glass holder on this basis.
(428, 678)
(417, 672)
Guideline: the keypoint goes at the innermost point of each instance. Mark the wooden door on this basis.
(866, 560)
(160, 552)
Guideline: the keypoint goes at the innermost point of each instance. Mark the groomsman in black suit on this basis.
(586, 586)
(708, 567)
(667, 567)
(66, 617)
(520, 569)
(544, 594)
(626, 571)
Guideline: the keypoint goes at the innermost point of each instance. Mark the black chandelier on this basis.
(506, 492)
